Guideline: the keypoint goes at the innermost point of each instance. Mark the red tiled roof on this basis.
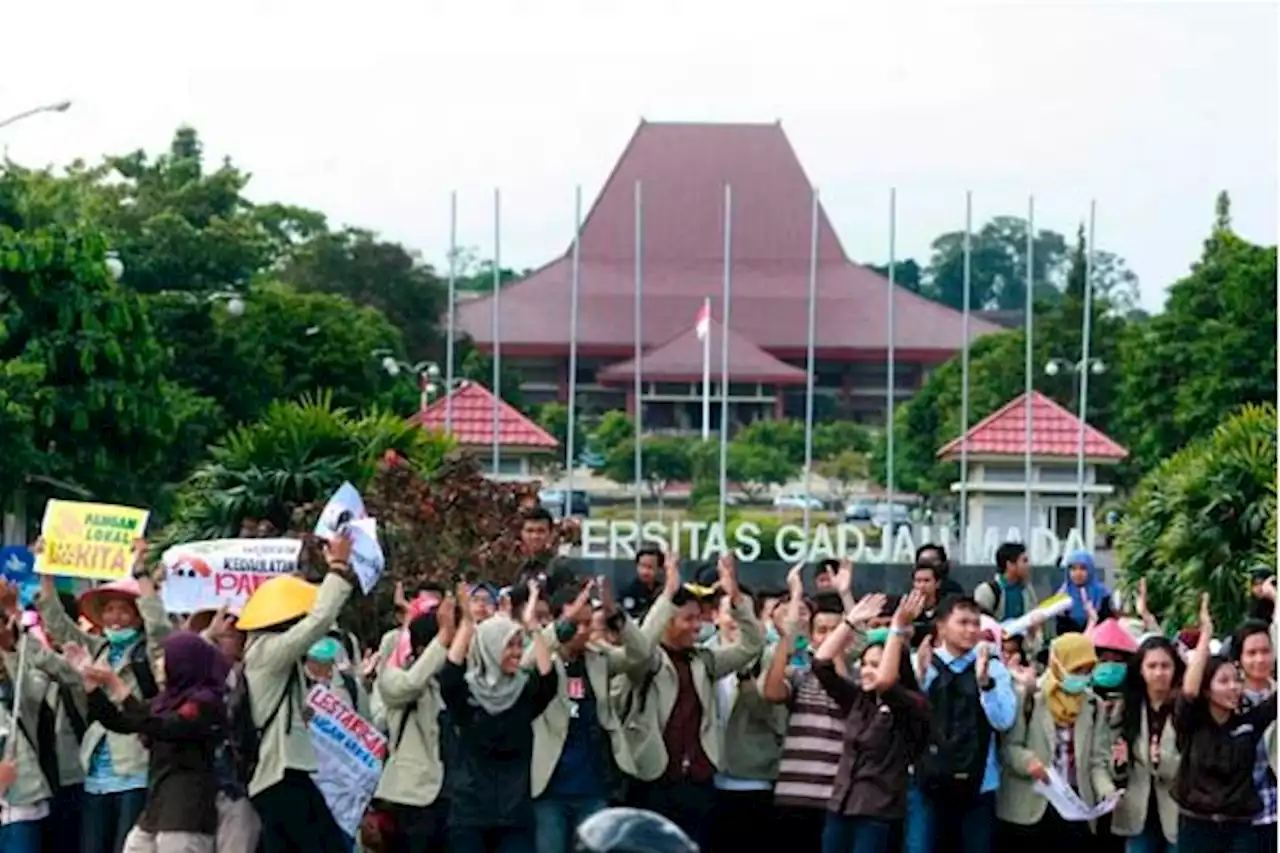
(1055, 432)
(473, 420)
(683, 169)
(680, 360)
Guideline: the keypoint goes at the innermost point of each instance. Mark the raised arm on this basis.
(283, 651)
(399, 687)
(909, 608)
(774, 686)
(635, 651)
(466, 628)
(1199, 658)
(60, 627)
(750, 642)
(661, 610)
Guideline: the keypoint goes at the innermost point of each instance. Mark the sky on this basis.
(373, 112)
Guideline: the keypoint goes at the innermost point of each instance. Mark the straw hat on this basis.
(91, 601)
(279, 600)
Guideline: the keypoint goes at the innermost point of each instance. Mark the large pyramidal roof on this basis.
(682, 171)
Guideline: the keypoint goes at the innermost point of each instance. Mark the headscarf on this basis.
(494, 690)
(425, 603)
(1067, 653)
(195, 671)
(1093, 587)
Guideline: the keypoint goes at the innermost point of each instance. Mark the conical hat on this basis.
(279, 600)
(1109, 634)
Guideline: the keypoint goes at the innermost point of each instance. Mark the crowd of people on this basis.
(769, 719)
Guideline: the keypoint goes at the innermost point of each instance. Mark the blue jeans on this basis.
(845, 834)
(25, 836)
(107, 819)
(949, 827)
(558, 819)
(1151, 840)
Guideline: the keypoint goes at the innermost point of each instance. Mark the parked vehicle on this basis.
(554, 501)
(797, 500)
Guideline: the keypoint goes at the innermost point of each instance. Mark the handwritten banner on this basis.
(349, 756)
(206, 575)
(88, 540)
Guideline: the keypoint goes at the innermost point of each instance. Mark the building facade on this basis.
(659, 225)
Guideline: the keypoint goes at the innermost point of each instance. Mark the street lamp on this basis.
(59, 107)
(426, 372)
(115, 266)
(1055, 366)
(1082, 368)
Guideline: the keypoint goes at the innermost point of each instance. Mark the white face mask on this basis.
(706, 632)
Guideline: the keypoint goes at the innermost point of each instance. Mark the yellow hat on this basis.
(277, 601)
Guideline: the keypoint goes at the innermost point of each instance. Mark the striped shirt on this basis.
(812, 746)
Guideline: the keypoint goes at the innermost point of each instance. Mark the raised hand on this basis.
(924, 656)
(727, 568)
(338, 549)
(369, 665)
(580, 605)
(868, 607)
(795, 582)
(605, 590)
(671, 573)
(447, 619)
(76, 655)
(462, 594)
(982, 666)
(909, 609)
(843, 580)
(1206, 619)
(1141, 603)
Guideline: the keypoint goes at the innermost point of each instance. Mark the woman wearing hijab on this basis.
(182, 726)
(1218, 740)
(1115, 646)
(492, 704)
(1086, 592)
(1146, 817)
(1055, 730)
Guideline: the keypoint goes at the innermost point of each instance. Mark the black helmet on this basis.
(632, 831)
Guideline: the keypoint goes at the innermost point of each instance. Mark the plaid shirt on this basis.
(1263, 779)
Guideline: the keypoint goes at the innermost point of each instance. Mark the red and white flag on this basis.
(702, 325)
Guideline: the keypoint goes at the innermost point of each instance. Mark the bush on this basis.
(1203, 518)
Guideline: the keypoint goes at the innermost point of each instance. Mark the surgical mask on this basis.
(706, 632)
(1074, 685)
(324, 650)
(877, 636)
(120, 636)
(802, 643)
(1108, 675)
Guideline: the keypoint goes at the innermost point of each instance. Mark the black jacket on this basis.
(182, 784)
(489, 782)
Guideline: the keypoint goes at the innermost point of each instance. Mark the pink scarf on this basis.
(420, 606)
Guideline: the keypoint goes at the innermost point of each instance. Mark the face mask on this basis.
(120, 636)
(877, 636)
(706, 632)
(771, 634)
(802, 644)
(1074, 685)
(1108, 675)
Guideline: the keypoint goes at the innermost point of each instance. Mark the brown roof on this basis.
(683, 169)
(468, 409)
(680, 360)
(1054, 432)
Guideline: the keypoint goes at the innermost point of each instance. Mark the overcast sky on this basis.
(373, 111)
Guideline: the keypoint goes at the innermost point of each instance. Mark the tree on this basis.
(89, 397)
(846, 471)
(1203, 518)
(354, 263)
(787, 436)
(1213, 348)
(478, 367)
(554, 418)
(907, 274)
(663, 460)
(755, 468)
(998, 265)
(297, 454)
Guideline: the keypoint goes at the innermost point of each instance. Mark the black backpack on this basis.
(244, 739)
(140, 664)
(955, 760)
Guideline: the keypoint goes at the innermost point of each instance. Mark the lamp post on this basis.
(426, 372)
(1082, 369)
(59, 107)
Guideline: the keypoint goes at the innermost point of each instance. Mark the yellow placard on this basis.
(86, 540)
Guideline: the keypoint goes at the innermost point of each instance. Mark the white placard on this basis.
(206, 575)
(367, 559)
(349, 757)
(1067, 803)
(345, 506)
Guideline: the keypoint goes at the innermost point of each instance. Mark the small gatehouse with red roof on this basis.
(997, 483)
(467, 411)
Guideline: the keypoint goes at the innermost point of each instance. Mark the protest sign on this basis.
(207, 575)
(345, 506)
(87, 540)
(345, 513)
(349, 756)
(1054, 605)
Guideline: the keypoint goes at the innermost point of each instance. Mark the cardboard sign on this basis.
(88, 540)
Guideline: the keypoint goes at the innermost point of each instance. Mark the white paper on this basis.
(367, 559)
(345, 506)
(1067, 803)
(349, 757)
(1043, 613)
(206, 575)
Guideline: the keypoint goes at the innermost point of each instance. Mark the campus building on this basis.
(682, 171)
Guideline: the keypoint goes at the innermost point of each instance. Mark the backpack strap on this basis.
(140, 663)
(997, 595)
(74, 718)
(349, 682)
(290, 685)
(409, 710)
(643, 689)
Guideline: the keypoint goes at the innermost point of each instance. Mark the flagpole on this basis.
(496, 423)
(570, 454)
(1029, 367)
(891, 378)
(637, 353)
(724, 356)
(810, 358)
(453, 283)
(1085, 368)
(706, 371)
(964, 377)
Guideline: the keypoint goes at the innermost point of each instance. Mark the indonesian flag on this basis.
(702, 325)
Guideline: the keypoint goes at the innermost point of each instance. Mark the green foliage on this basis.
(787, 437)
(1212, 349)
(294, 456)
(554, 418)
(844, 471)
(998, 265)
(478, 367)
(1203, 518)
